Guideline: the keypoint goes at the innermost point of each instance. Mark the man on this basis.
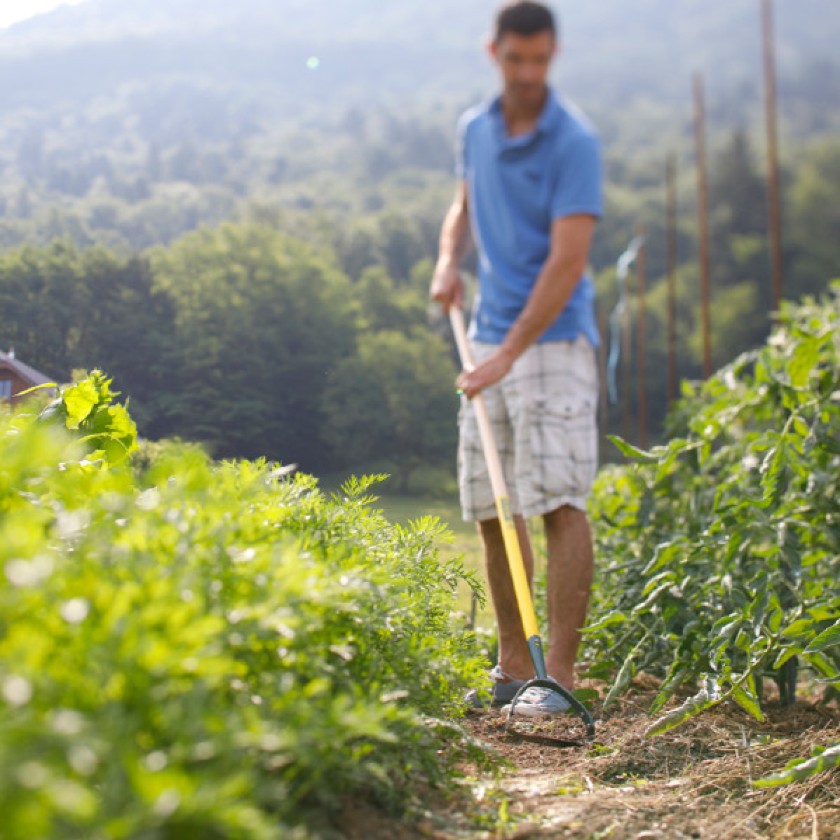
(528, 196)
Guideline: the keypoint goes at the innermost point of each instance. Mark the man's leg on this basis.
(570, 562)
(514, 658)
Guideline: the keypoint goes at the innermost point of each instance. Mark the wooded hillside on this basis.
(130, 125)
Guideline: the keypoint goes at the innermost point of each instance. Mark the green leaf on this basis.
(666, 578)
(652, 597)
(705, 699)
(825, 666)
(802, 770)
(609, 620)
(825, 611)
(45, 386)
(828, 638)
(622, 680)
(804, 360)
(631, 451)
(677, 675)
(625, 674)
(786, 654)
(747, 700)
(80, 400)
(586, 695)
(665, 554)
(798, 628)
(773, 474)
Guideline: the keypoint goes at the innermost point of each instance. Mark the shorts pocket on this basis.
(563, 446)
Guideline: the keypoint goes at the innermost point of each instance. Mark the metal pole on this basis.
(641, 337)
(703, 222)
(671, 178)
(770, 98)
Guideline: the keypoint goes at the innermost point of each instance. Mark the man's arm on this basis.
(571, 238)
(455, 240)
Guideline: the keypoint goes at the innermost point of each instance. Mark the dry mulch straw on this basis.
(695, 781)
(692, 782)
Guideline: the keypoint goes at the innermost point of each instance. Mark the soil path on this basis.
(694, 782)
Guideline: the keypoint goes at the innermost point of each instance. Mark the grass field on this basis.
(464, 539)
(443, 504)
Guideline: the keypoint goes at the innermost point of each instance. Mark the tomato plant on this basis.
(720, 550)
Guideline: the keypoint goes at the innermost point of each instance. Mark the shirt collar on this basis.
(546, 122)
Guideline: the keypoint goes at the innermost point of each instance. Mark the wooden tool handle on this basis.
(497, 482)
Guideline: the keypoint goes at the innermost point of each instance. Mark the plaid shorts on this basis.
(543, 415)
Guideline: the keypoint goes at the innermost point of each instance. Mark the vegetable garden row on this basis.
(200, 649)
(720, 550)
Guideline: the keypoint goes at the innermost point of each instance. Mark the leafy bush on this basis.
(721, 549)
(199, 649)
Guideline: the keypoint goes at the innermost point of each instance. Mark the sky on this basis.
(14, 11)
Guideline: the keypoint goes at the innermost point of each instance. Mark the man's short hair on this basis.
(524, 17)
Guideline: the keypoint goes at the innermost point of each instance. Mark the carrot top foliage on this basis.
(201, 649)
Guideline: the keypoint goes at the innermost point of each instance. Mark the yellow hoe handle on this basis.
(497, 481)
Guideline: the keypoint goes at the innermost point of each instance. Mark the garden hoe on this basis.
(511, 541)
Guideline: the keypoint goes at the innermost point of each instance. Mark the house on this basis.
(16, 377)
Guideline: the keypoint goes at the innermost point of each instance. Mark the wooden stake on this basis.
(775, 223)
(603, 403)
(703, 223)
(671, 179)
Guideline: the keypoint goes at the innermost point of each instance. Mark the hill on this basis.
(616, 53)
(128, 124)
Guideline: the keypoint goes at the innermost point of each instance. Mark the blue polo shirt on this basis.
(517, 186)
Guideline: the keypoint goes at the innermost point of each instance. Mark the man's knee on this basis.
(564, 513)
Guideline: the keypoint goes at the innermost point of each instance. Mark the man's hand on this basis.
(487, 372)
(447, 286)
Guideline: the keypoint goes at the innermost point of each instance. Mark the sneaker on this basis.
(502, 691)
(539, 702)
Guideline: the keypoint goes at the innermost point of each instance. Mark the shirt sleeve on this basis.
(461, 148)
(579, 183)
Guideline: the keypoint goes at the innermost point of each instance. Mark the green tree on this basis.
(742, 300)
(126, 326)
(815, 218)
(66, 308)
(38, 290)
(394, 402)
(262, 320)
(384, 305)
(738, 189)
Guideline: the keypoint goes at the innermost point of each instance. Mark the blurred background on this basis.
(233, 209)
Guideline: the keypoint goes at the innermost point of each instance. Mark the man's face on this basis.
(524, 62)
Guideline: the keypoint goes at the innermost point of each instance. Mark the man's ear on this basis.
(492, 50)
